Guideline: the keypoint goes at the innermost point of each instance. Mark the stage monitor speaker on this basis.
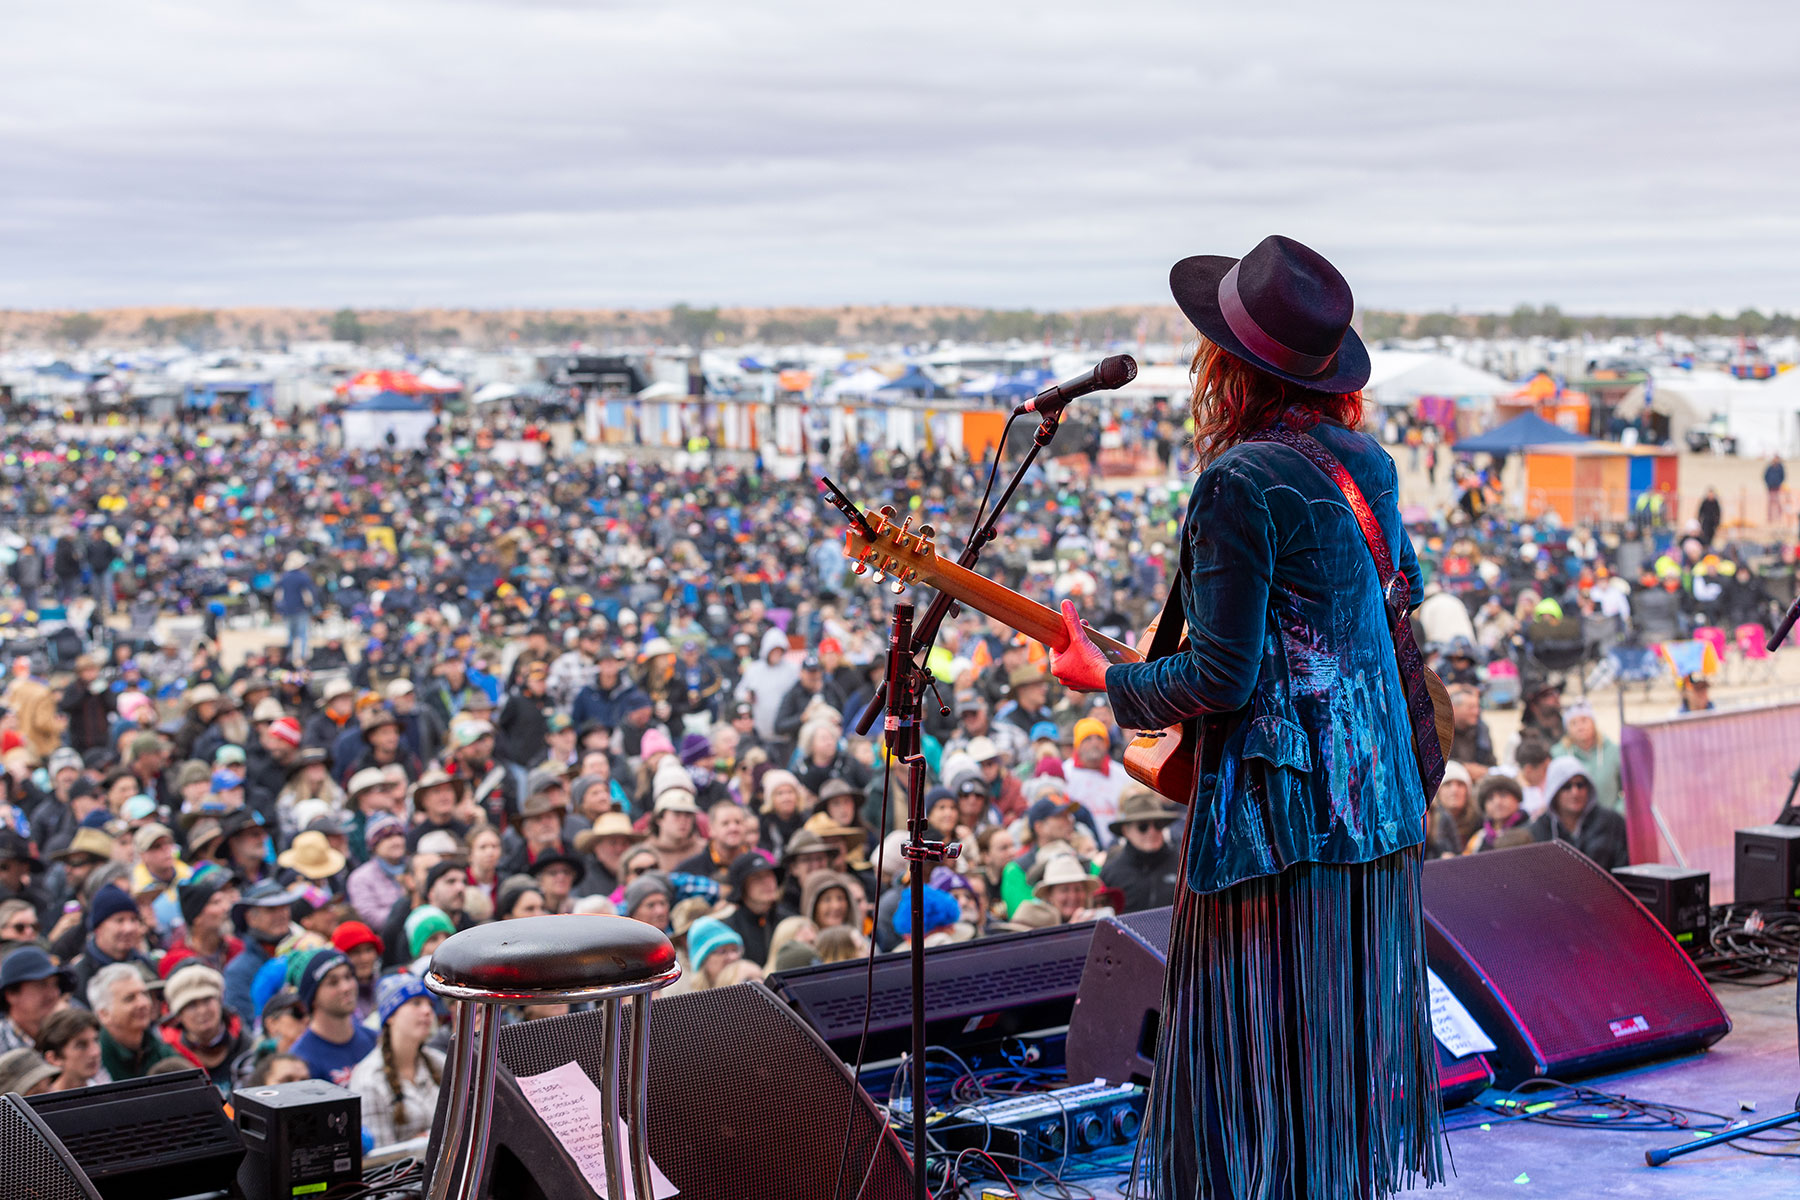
(976, 992)
(156, 1138)
(1118, 1009)
(1561, 966)
(744, 1101)
(34, 1164)
(1679, 898)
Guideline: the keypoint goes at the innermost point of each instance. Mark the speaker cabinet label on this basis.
(1628, 1026)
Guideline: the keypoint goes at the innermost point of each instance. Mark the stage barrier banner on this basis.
(1691, 782)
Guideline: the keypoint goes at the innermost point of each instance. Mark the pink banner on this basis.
(1691, 782)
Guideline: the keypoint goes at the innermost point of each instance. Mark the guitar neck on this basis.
(1034, 620)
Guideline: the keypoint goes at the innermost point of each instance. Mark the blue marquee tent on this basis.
(1518, 434)
(914, 383)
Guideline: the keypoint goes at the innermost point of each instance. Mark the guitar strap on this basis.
(1396, 595)
(1174, 617)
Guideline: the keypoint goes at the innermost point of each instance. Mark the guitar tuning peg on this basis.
(897, 587)
(927, 532)
(859, 567)
(879, 576)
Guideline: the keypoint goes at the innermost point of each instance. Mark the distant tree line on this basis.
(1551, 321)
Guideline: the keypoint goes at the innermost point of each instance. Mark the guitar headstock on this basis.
(898, 554)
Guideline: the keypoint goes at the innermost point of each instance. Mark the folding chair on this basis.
(1753, 646)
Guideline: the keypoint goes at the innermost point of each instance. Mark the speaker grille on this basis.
(1589, 975)
(744, 1099)
(29, 1161)
(1152, 924)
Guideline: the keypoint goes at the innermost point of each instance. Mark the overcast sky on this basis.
(1607, 157)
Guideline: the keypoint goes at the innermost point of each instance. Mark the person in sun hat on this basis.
(1279, 831)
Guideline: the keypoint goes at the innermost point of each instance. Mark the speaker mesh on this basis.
(1152, 924)
(1589, 974)
(745, 1101)
(30, 1167)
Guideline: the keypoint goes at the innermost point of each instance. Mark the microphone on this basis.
(1108, 373)
(1787, 623)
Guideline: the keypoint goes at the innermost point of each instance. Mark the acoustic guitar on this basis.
(1162, 760)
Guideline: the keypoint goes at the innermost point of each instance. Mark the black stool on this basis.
(545, 960)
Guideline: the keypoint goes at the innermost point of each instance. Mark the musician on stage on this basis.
(1296, 1057)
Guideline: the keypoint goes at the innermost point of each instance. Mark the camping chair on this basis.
(1556, 646)
(1715, 636)
(1502, 688)
(1753, 647)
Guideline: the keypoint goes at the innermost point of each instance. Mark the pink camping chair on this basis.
(1715, 637)
(1753, 645)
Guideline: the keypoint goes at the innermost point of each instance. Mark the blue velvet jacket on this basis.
(1306, 753)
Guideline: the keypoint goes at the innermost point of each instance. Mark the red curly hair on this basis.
(1233, 399)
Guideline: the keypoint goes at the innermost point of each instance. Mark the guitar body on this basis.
(1166, 762)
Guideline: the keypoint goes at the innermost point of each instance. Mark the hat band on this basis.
(1257, 340)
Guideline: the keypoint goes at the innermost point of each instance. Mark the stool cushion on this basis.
(553, 953)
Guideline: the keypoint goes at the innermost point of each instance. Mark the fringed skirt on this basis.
(1296, 1058)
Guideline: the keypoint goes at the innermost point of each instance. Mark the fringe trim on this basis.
(1296, 1059)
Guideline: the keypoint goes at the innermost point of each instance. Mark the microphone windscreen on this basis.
(1117, 371)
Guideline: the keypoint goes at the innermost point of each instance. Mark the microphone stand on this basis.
(902, 694)
(986, 531)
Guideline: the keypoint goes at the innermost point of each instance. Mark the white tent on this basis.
(487, 393)
(1764, 416)
(1402, 376)
(662, 390)
(862, 385)
(367, 423)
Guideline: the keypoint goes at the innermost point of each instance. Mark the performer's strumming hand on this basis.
(1080, 665)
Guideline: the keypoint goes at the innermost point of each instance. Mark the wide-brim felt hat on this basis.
(1282, 308)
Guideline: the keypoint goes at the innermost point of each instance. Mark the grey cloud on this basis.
(1043, 154)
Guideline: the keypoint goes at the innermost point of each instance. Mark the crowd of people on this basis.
(277, 723)
(280, 719)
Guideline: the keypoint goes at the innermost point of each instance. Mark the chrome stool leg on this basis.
(483, 1053)
(610, 1014)
(456, 1117)
(637, 1083)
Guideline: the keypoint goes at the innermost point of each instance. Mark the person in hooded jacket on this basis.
(766, 682)
(1574, 816)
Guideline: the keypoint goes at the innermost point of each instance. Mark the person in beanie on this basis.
(206, 898)
(375, 886)
(426, 926)
(398, 1080)
(333, 1042)
(1505, 823)
(756, 893)
(358, 943)
(115, 935)
(199, 1027)
(712, 946)
(648, 899)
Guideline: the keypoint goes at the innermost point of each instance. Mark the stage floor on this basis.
(1755, 1062)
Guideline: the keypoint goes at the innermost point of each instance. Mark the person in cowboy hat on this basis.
(1030, 689)
(603, 848)
(1280, 829)
(538, 829)
(1069, 888)
(1142, 865)
(295, 600)
(380, 727)
(435, 796)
